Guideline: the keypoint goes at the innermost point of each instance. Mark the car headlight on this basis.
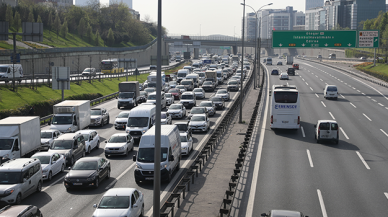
(180, 111)
(204, 125)
(45, 170)
(127, 131)
(92, 177)
(144, 131)
(69, 128)
(138, 166)
(66, 178)
(98, 119)
(9, 191)
(163, 166)
(46, 143)
(184, 148)
(122, 148)
(6, 156)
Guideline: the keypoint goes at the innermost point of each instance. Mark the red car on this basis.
(176, 93)
(295, 66)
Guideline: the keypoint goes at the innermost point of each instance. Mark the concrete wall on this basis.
(39, 63)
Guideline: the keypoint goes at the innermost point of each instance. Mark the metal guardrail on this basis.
(201, 157)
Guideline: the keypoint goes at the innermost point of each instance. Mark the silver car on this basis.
(177, 111)
(165, 118)
(169, 98)
(211, 108)
(197, 110)
(99, 117)
(224, 94)
(199, 123)
(47, 138)
(199, 93)
(121, 120)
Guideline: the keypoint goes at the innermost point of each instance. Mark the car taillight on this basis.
(298, 119)
(319, 130)
(271, 119)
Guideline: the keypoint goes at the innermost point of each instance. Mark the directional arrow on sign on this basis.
(303, 45)
(280, 45)
(326, 45)
(349, 44)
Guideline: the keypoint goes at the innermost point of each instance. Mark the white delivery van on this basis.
(170, 154)
(7, 72)
(71, 116)
(140, 119)
(195, 78)
(181, 74)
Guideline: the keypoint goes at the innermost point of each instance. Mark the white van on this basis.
(7, 72)
(202, 77)
(195, 78)
(330, 91)
(326, 130)
(188, 68)
(181, 74)
(269, 61)
(152, 99)
(220, 76)
(170, 154)
(140, 119)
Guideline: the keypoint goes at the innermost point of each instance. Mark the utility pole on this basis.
(90, 68)
(242, 65)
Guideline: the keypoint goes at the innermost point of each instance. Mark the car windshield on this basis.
(222, 91)
(143, 93)
(46, 135)
(95, 112)
(152, 97)
(87, 70)
(123, 115)
(137, 122)
(182, 127)
(206, 104)
(147, 155)
(126, 95)
(186, 82)
(187, 96)
(62, 144)
(149, 90)
(331, 88)
(180, 87)
(175, 106)
(43, 159)
(181, 75)
(236, 77)
(183, 139)
(198, 118)
(207, 83)
(114, 202)
(62, 120)
(172, 83)
(117, 139)
(85, 165)
(233, 82)
(86, 137)
(286, 97)
(174, 91)
(168, 95)
(219, 75)
(163, 116)
(6, 144)
(197, 110)
(197, 90)
(8, 178)
(216, 99)
(276, 71)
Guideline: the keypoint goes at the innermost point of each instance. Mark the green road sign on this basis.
(314, 39)
(368, 39)
(225, 47)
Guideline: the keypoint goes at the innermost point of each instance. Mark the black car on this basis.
(208, 86)
(275, 72)
(218, 101)
(291, 71)
(87, 172)
(143, 97)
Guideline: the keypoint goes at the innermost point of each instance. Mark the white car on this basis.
(224, 94)
(118, 202)
(169, 98)
(199, 122)
(187, 143)
(177, 110)
(283, 76)
(52, 163)
(330, 91)
(119, 144)
(92, 139)
(121, 120)
(211, 108)
(165, 118)
(199, 93)
(236, 78)
(47, 138)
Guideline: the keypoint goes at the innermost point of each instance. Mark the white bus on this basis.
(285, 107)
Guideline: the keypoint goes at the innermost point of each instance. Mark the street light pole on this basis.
(242, 65)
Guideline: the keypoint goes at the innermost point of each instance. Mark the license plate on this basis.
(324, 136)
(149, 178)
(285, 122)
(77, 183)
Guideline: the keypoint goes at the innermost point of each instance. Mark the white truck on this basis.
(289, 60)
(71, 116)
(129, 94)
(19, 137)
(211, 75)
(7, 72)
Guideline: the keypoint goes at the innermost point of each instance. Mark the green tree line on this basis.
(113, 24)
(379, 23)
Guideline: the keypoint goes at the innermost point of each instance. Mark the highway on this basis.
(54, 200)
(296, 173)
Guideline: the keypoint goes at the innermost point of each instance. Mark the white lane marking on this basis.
(353, 88)
(374, 100)
(353, 105)
(342, 96)
(346, 83)
(306, 83)
(342, 81)
(316, 76)
(310, 159)
(61, 179)
(368, 97)
(321, 79)
(323, 208)
(326, 83)
(303, 79)
(304, 135)
(358, 91)
(380, 104)
(252, 196)
(343, 132)
(363, 94)
(386, 194)
(311, 89)
(363, 161)
(317, 95)
(384, 132)
(287, 84)
(323, 104)
(332, 116)
(119, 177)
(386, 107)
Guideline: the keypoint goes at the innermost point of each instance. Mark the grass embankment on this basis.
(25, 95)
(379, 71)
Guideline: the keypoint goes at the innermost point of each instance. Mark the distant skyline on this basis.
(205, 17)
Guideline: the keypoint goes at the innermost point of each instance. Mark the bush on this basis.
(44, 108)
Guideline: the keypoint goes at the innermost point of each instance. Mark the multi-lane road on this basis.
(54, 200)
(296, 173)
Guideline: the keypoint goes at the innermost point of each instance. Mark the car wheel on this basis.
(126, 153)
(18, 199)
(142, 211)
(50, 176)
(336, 141)
(102, 123)
(107, 122)
(98, 145)
(137, 182)
(118, 107)
(89, 150)
(83, 153)
(106, 156)
(39, 187)
(169, 176)
(63, 168)
(108, 175)
(72, 161)
(97, 183)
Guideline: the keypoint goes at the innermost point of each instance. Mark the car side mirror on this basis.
(94, 205)
(106, 141)
(53, 162)
(135, 206)
(171, 158)
(134, 157)
(69, 168)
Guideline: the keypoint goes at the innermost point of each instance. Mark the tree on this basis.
(111, 37)
(97, 38)
(50, 21)
(31, 16)
(81, 27)
(39, 20)
(57, 24)
(9, 15)
(89, 33)
(17, 22)
(64, 29)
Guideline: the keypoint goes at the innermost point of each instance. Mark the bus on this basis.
(111, 66)
(285, 107)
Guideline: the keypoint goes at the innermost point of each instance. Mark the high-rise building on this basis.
(127, 2)
(313, 4)
(250, 26)
(81, 3)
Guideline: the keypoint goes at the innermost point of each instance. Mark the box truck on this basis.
(71, 116)
(7, 72)
(129, 94)
(289, 60)
(19, 137)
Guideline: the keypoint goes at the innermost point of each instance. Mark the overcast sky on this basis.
(205, 17)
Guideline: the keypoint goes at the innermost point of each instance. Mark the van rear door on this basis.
(324, 130)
